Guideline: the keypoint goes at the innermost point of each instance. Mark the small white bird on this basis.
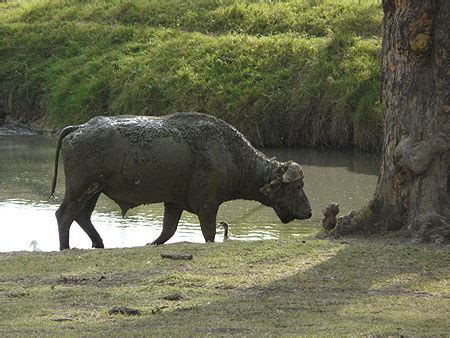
(34, 245)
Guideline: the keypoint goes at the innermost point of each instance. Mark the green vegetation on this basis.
(301, 286)
(298, 72)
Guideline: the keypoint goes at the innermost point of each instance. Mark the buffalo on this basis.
(188, 161)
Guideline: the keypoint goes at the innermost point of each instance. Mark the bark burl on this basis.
(412, 193)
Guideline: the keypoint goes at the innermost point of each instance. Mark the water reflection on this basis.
(27, 211)
(357, 162)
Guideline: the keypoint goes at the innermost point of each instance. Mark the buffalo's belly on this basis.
(144, 189)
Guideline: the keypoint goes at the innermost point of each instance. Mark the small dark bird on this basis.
(224, 225)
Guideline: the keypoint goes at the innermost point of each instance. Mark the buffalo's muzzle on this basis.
(305, 215)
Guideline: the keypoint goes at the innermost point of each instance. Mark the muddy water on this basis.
(27, 211)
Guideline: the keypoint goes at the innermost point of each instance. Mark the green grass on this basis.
(301, 286)
(285, 73)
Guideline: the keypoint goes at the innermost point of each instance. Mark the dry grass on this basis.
(300, 286)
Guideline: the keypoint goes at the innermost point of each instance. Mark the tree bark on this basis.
(412, 194)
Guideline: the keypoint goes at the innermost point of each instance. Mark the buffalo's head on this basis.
(285, 193)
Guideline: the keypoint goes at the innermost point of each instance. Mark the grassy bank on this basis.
(299, 286)
(298, 72)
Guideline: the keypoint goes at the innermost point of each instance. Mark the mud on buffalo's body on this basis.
(189, 161)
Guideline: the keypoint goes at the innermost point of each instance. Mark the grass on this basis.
(300, 286)
(286, 73)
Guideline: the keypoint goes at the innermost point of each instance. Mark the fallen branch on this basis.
(177, 256)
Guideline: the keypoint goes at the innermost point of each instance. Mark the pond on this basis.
(27, 211)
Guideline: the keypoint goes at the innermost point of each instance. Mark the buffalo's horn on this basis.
(293, 173)
(280, 170)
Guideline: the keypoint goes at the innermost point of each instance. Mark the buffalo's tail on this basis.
(63, 133)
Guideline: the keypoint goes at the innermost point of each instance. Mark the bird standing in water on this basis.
(34, 245)
(224, 225)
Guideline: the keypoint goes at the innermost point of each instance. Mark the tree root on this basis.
(427, 228)
(355, 222)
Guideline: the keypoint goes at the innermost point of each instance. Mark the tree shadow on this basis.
(361, 289)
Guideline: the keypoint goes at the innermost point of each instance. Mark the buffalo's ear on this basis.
(265, 190)
(270, 187)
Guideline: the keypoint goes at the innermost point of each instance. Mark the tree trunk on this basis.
(412, 193)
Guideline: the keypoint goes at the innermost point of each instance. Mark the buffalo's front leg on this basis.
(207, 218)
(172, 214)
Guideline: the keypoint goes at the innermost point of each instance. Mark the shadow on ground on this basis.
(371, 289)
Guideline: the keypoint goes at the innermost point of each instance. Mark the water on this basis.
(27, 211)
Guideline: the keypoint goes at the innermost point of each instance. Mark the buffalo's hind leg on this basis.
(172, 214)
(65, 215)
(84, 221)
(73, 203)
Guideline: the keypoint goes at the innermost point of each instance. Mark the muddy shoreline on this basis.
(21, 129)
